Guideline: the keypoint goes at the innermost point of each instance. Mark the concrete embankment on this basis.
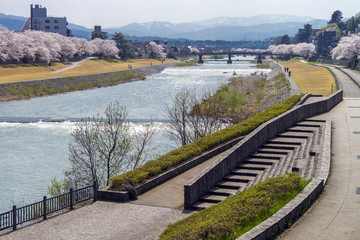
(42, 87)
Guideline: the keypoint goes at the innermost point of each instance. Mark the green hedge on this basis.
(239, 213)
(184, 153)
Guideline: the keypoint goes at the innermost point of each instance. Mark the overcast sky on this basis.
(117, 13)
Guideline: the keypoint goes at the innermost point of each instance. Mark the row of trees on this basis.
(300, 49)
(45, 47)
(347, 48)
(37, 46)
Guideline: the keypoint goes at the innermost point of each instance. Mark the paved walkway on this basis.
(73, 65)
(336, 214)
(102, 220)
(144, 218)
(171, 193)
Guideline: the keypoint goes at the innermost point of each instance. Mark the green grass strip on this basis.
(186, 64)
(185, 153)
(239, 213)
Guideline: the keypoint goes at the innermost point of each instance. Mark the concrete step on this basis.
(265, 156)
(230, 185)
(302, 124)
(314, 120)
(222, 191)
(275, 152)
(289, 135)
(212, 198)
(252, 167)
(237, 178)
(246, 172)
(259, 161)
(298, 130)
(285, 142)
(277, 147)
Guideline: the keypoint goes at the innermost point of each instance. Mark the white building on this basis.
(40, 21)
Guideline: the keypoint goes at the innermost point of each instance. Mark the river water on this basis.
(33, 151)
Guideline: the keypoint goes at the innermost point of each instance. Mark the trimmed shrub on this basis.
(185, 153)
(238, 213)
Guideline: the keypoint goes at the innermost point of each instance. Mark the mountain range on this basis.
(257, 27)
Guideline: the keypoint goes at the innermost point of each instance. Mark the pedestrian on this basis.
(289, 73)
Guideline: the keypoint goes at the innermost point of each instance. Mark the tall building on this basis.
(41, 22)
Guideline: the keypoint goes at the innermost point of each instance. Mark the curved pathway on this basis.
(73, 65)
(336, 214)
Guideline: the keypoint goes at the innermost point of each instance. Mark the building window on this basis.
(56, 21)
(47, 21)
(56, 27)
(47, 27)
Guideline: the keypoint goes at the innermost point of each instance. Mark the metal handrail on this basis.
(47, 206)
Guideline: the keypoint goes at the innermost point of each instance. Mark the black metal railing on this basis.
(47, 206)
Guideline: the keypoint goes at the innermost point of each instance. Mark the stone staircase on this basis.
(296, 149)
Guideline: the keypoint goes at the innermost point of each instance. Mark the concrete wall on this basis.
(198, 186)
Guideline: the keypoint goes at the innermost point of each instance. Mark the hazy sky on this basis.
(117, 13)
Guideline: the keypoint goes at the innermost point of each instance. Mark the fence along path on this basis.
(18, 216)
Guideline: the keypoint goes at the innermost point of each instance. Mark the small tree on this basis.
(102, 148)
(191, 119)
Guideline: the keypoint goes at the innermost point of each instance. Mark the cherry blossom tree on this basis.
(41, 46)
(300, 49)
(155, 50)
(194, 50)
(347, 48)
(105, 48)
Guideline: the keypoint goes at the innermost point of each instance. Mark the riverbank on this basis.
(45, 87)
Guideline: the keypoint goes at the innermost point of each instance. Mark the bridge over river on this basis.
(258, 55)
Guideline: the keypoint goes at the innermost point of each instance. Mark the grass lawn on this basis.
(25, 72)
(311, 79)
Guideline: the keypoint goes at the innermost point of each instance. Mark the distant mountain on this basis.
(257, 27)
(223, 28)
(12, 22)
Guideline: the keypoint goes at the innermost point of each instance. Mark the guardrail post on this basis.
(14, 217)
(71, 198)
(95, 191)
(45, 207)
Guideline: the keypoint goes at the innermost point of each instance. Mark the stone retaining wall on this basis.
(199, 185)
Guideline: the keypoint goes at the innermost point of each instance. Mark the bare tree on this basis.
(178, 128)
(142, 144)
(191, 119)
(102, 148)
(83, 154)
(113, 140)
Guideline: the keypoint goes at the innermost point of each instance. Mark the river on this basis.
(33, 151)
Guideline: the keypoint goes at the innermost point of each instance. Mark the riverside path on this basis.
(336, 214)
